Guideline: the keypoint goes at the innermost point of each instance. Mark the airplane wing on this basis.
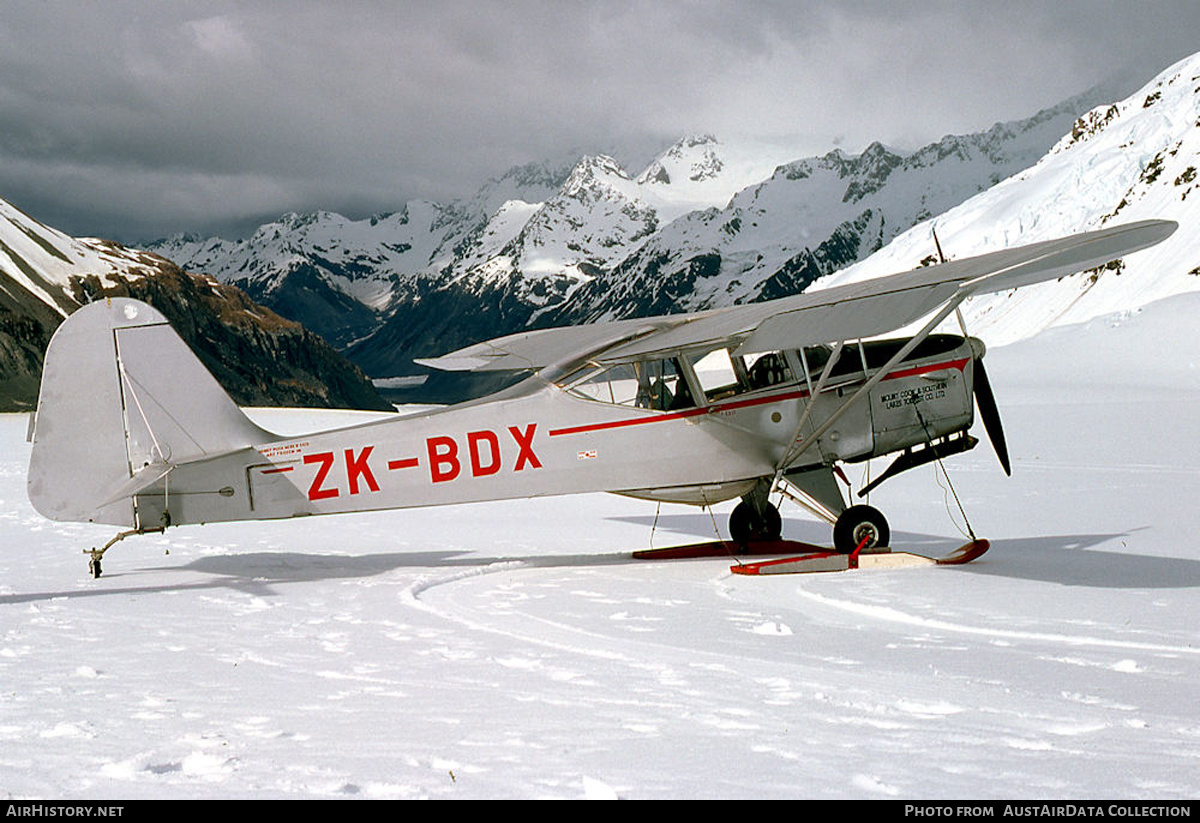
(543, 347)
(844, 312)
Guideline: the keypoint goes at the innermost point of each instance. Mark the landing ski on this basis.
(830, 561)
(806, 557)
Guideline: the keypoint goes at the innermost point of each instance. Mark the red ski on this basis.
(805, 557)
(830, 561)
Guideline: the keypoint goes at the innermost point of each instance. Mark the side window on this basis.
(769, 369)
(720, 376)
(815, 358)
(663, 386)
(849, 361)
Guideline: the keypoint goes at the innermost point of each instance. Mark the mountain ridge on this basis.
(559, 243)
(260, 357)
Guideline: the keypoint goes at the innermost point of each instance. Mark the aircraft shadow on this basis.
(1069, 560)
(253, 573)
(258, 573)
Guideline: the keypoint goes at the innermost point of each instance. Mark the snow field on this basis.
(515, 650)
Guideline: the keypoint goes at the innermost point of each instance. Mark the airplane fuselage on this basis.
(541, 438)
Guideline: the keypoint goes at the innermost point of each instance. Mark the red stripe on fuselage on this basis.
(741, 404)
(961, 365)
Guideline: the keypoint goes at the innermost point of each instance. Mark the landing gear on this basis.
(96, 555)
(747, 523)
(858, 524)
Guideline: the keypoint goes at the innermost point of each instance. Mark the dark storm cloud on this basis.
(133, 119)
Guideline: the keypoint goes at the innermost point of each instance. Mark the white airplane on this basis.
(132, 431)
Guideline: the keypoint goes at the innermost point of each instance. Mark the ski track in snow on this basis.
(475, 602)
(889, 615)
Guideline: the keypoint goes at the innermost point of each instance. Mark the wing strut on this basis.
(812, 394)
(794, 451)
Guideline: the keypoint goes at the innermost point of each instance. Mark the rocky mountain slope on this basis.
(260, 357)
(341, 277)
(810, 218)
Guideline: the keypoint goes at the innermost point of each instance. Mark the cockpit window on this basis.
(664, 385)
(615, 384)
(724, 374)
(874, 354)
(769, 369)
(719, 375)
(849, 362)
(878, 352)
(654, 384)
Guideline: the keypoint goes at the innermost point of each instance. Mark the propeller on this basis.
(990, 414)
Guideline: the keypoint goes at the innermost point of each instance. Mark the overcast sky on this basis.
(133, 120)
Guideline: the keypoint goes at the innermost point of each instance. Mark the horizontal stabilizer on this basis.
(140, 481)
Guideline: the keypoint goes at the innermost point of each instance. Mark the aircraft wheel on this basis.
(858, 523)
(746, 524)
(772, 523)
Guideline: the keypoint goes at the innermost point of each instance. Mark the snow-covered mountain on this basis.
(333, 274)
(809, 218)
(260, 357)
(526, 240)
(532, 257)
(341, 277)
(1131, 160)
(704, 224)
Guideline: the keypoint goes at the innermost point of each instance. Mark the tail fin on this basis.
(123, 401)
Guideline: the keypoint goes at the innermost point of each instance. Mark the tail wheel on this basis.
(859, 523)
(746, 523)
